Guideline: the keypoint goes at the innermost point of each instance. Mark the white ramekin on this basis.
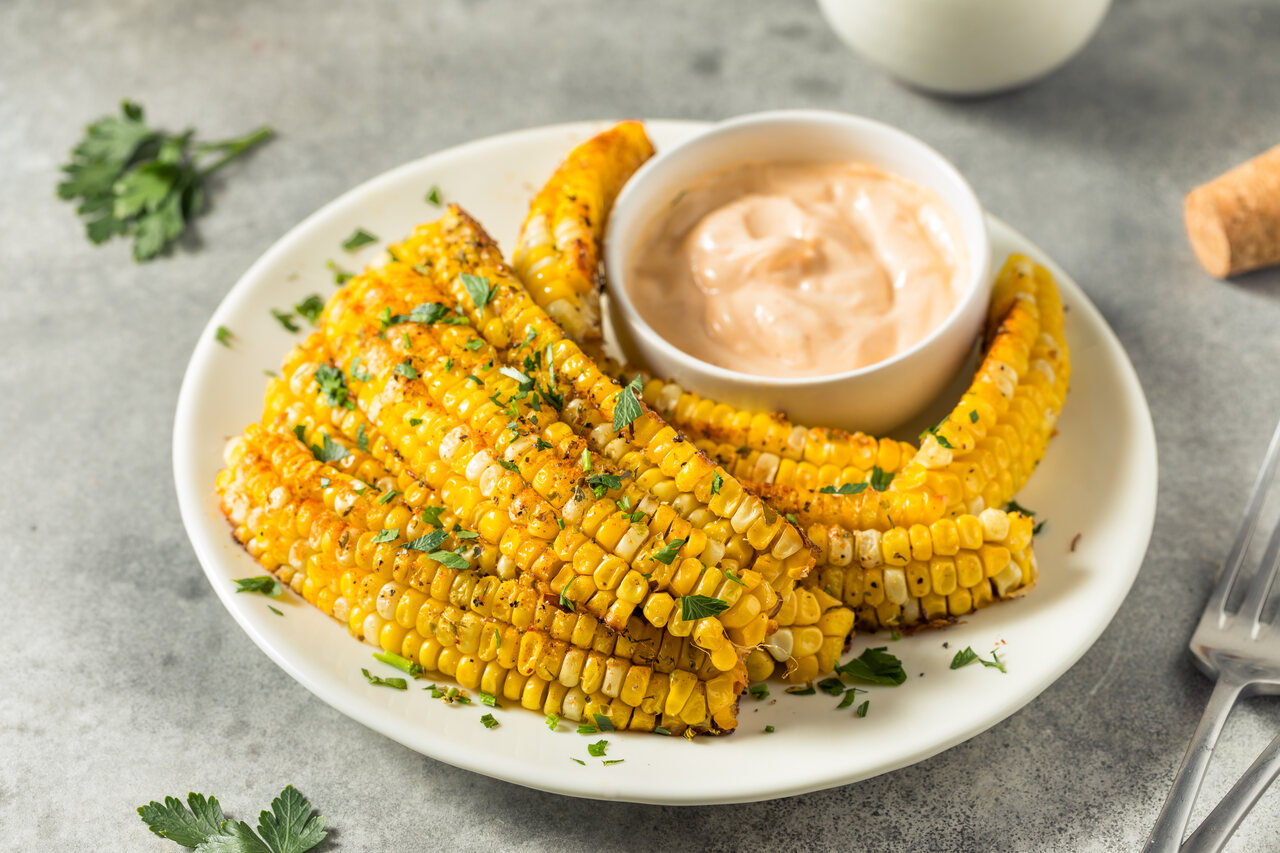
(966, 47)
(873, 398)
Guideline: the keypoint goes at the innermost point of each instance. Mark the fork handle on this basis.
(1211, 835)
(1166, 836)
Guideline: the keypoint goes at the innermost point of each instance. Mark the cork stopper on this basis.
(1233, 221)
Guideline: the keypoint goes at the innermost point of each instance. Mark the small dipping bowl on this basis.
(874, 398)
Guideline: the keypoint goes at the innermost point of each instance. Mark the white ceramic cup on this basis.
(872, 398)
(966, 47)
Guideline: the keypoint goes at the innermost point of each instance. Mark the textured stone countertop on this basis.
(127, 680)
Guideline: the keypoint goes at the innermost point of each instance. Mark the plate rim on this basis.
(190, 495)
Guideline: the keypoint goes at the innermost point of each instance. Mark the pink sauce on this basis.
(799, 269)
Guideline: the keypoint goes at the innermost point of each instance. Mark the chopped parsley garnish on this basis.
(579, 760)
(521, 379)
(333, 387)
(880, 480)
(358, 239)
(433, 195)
(553, 721)
(601, 483)
(388, 534)
(831, 686)
(802, 690)
(489, 699)
(586, 460)
(489, 722)
(716, 482)
(510, 466)
(476, 379)
(309, 309)
(273, 610)
(362, 439)
(413, 422)
(845, 489)
(474, 344)
(340, 276)
(431, 515)
(729, 575)
(406, 369)
(849, 698)
(603, 723)
(613, 761)
(428, 313)
(330, 451)
(700, 607)
(1035, 530)
(478, 288)
(659, 730)
(132, 180)
(377, 681)
(863, 708)
(358, 374)
(403, 664)
(1014, 506)
(793, 520)
(223, 336)
(874, 666)
(266, 584)
(759, 691)
(541, 444)
(667, 553)
(564, 598)
(451, 559)
(386, 496)
(968, 656)
(973, 416)
(285, 319)
(587, 729)
(290, 826)
(627, 408)
(597, 749)
(769, 730)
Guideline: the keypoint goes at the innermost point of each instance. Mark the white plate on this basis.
(1098, 480)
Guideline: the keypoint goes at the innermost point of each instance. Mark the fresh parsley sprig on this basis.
(132, 180)
(290, 826)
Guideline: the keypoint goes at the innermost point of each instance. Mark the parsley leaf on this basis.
(597, 749)
(553, 721)
(406, 370)
(377, 681)
(388, 534)
(863, 708)
(973, 416)
(188, 827)
(309, 309)
(360, 238)
(489, 721)
(874, 666)
(268, 585)
(612, 762)
(403, 664)
(387, 496)
(431, 515)
(845, 489)
(968, 656)
(601, 483)
(433, 195)
(331, 451)
(340, 276)
(667, 553)
(627, 408)
(333, 387)
(478, 288)
(132, 180)
(716, 482)
(759, 691)
(603, 723)
(285, 319)
(450, 559)
(880, 480)
(223, 335)
(1014, 506)
(700, 606)
(428, 542)
(849, 698)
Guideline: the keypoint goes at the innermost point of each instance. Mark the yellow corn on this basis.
(558, 251)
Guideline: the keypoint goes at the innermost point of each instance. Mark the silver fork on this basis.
(1243, 654)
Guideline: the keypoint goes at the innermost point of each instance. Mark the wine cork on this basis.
(1233, 221)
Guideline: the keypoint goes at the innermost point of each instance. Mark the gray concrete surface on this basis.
(125, 680)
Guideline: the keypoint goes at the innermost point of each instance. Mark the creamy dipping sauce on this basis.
(799, 269)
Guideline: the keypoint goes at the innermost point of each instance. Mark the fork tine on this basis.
(1260, 586)
(1218, 598)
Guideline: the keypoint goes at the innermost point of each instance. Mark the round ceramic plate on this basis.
(1102, 490)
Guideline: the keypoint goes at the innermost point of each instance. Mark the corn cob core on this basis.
(557, 252)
